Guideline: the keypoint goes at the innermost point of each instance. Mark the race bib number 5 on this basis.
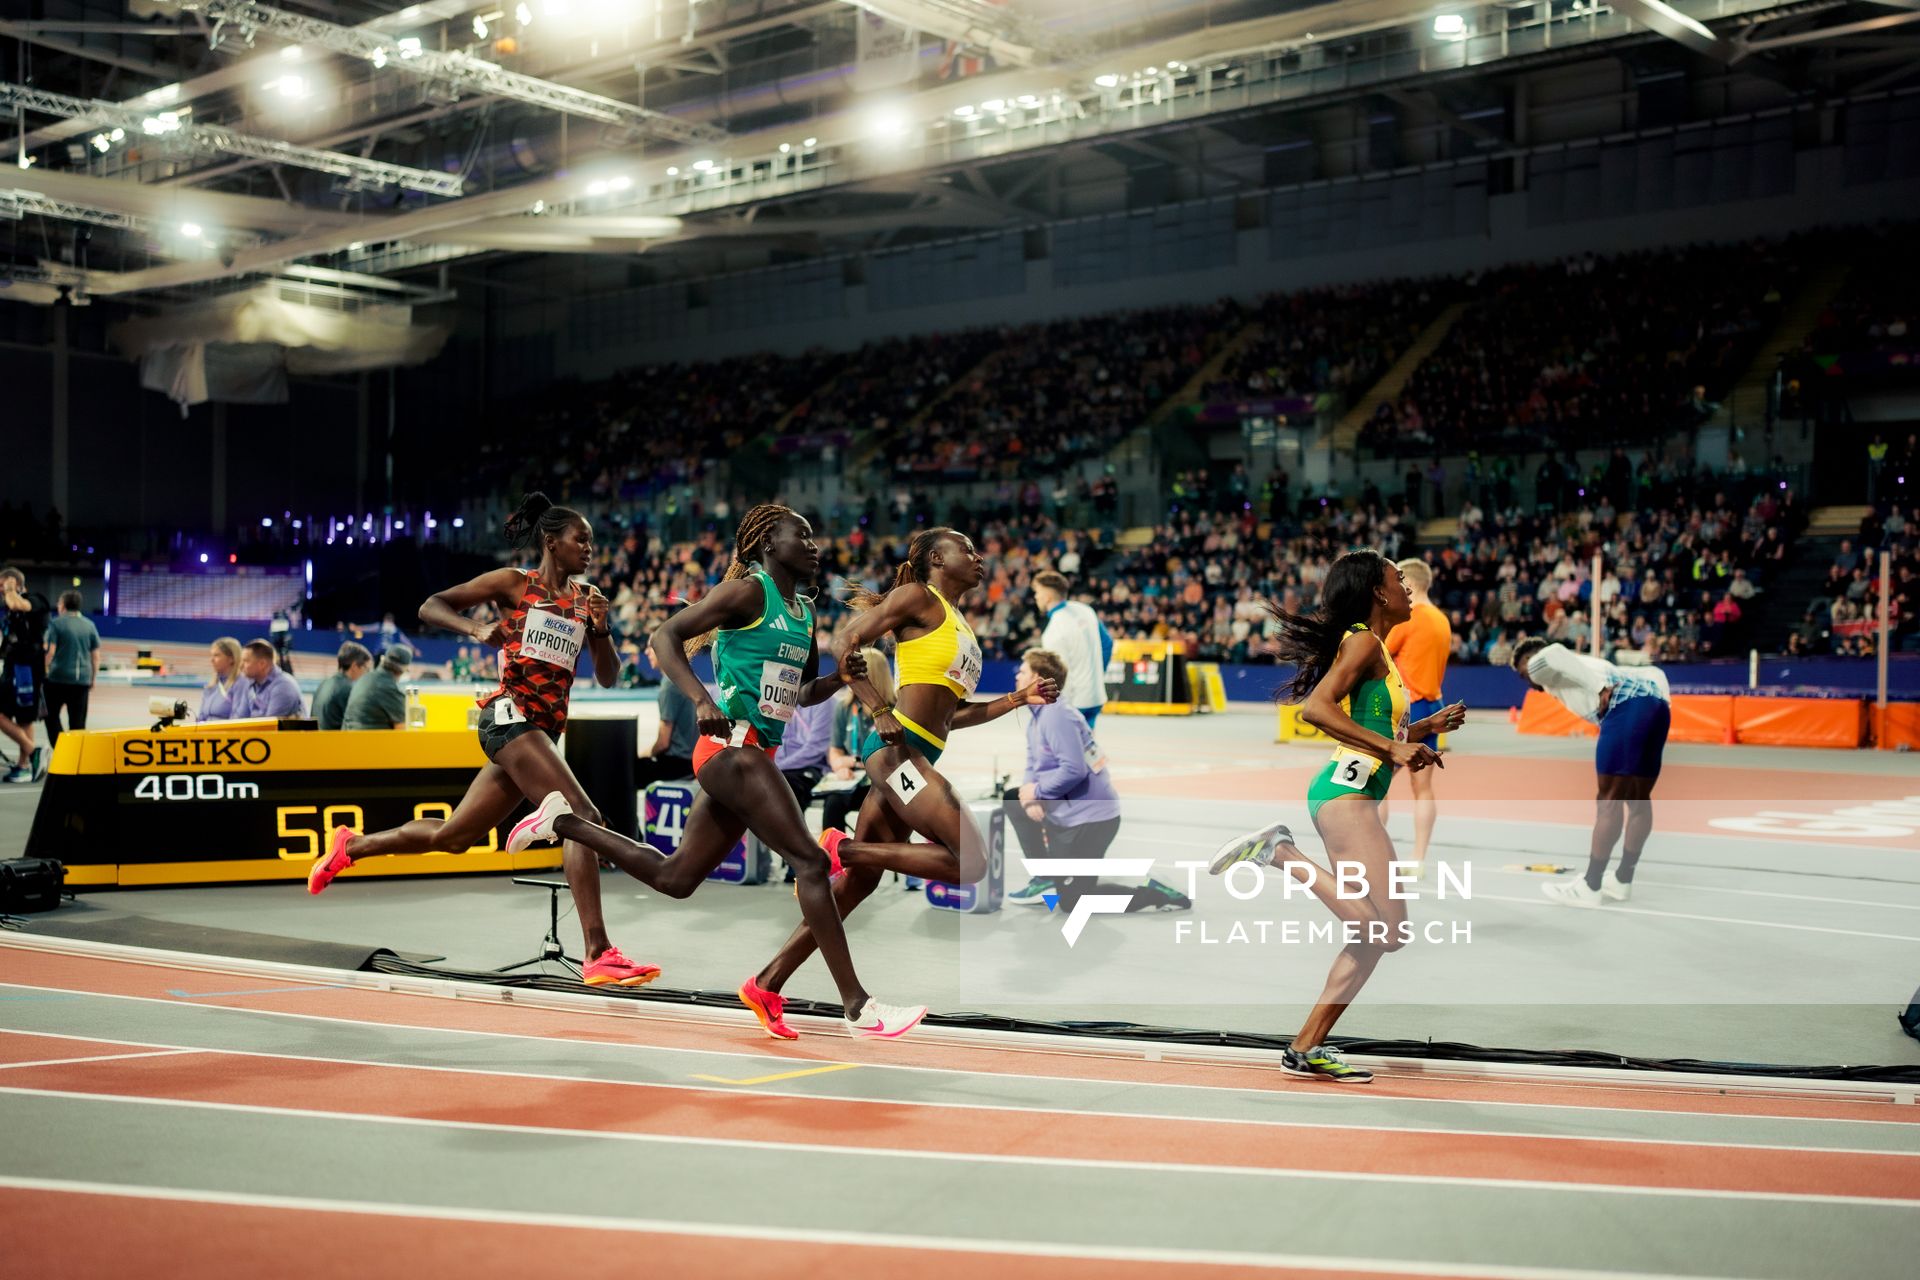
(1351, 769)
(553, 638)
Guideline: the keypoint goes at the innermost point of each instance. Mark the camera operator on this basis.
(23, 632)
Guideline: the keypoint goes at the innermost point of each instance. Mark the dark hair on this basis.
(917, 567)
(70, 601)
(261, 649)
(15, 574)
(1311, 640)
(537, 520)
(352, 655)
(1523, 653)
(749, 545)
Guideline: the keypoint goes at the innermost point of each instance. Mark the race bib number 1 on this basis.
(1351, 769)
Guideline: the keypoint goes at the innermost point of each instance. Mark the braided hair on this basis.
(918, 567)
(537, 520)
(749, 548)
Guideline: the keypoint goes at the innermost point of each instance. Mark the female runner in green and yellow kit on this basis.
(767, 666)
(1350, 690)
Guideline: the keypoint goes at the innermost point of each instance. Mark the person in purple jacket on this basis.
(1066, 806)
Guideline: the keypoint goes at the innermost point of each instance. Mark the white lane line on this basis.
(1614, 908)
(1082, 1163)
(1009, 1108)
(1324, 1263)
(105, 1057)
(1573, 1114)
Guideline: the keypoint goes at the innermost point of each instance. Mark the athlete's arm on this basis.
(1445, 720)
(899, 609)
(1359, 654)
(445, 609)
(606, 662)
(1037, 694)
(730, 605)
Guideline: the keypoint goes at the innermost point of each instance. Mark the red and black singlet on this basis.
(538, 660)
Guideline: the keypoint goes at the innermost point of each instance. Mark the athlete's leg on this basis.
(1637, 797)
(489, 799)
(1351, 826)
(877, 820)
(19, 734)
(537, 767)
(1609, 816)
(921, 799)
(1425, 810)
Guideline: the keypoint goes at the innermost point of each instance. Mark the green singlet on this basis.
(1379, 705)
(759, 667)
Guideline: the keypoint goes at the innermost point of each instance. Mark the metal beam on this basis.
(1747, 45)
(1677, 27)
(461, 71)
(215, 138)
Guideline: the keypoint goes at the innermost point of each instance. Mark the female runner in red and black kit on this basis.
(546, 619)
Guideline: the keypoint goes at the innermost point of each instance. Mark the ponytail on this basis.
(1312, 640)
(537, 520)
(749, 544)
(917, 567)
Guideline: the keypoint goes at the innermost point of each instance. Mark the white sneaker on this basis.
(538, 825)
(885, 1021)
(1573, 894)
(1614, 889)
(1257, 847)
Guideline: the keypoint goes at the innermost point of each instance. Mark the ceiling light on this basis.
(191, 230)
(410, 47)
(809, 143)
(785, 147)
(1029, 100)
(290, 86)
(356, 246)
(1107, 82)
(992, 105)
(165, 122)
(100, 143)
(701, 166)
(890, 122)
(27, 162)
(1449, 24)
(523, 15)
(596, 188)
(965, 113)
(292, 53)
(539, 206)
(1153, 71)
(555, 8)
(379, 59)
(673, 171)
(117, 135)
(620, 183)
(479, 27)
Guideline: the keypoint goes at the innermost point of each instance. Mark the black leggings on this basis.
(1046, 840)
(71, 696)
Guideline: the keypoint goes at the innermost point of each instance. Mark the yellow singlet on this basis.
(948, 655)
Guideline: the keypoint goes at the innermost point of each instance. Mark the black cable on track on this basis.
(392, 965)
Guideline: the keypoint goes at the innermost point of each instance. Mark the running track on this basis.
(163, 1121)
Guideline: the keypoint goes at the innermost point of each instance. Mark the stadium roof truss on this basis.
(678, 122)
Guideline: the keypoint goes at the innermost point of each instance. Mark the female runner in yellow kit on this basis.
(939, 668)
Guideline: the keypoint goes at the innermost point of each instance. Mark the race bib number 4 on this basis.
(553, 638)
(1351, 769)
(907, 782)
(965, 670)
(779, 690)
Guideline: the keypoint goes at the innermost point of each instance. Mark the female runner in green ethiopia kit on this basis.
(766, 665)
(1349, 690)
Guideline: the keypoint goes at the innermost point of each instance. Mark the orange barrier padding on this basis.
(1898, 726)
(1800, 722)
(1701, 717)
(1542, 713)
(1723, 717)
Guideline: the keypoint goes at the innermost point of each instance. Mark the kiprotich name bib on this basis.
(965, 670)
(552, 637)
